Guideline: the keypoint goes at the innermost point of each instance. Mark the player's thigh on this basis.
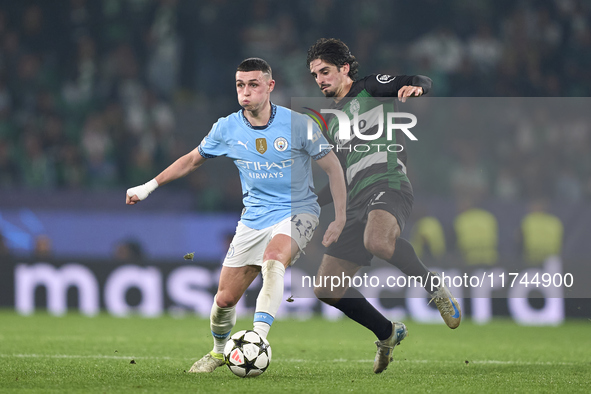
(381, 232)
(233, 283)
(282, 248)
(247, 247)
(332, 277)
(350, 245)
(290, 237)
(387, 214)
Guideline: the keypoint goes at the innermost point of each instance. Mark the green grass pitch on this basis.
(43, 354)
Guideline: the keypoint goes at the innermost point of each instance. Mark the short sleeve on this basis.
(317, 147)
(213, 145)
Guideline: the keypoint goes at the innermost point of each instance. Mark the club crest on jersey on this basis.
(261, 144)
(384, 78)
(354, 106)
(280, 144)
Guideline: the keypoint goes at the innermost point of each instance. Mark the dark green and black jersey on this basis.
(370, 166)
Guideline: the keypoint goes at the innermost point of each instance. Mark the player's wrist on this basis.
(340, 219)
(151, 185)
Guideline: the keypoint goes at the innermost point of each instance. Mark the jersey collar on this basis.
(344, 100)
(271, 118)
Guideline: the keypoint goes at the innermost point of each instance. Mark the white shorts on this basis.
(248, 245)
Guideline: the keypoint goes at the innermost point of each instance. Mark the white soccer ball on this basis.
(247, 354)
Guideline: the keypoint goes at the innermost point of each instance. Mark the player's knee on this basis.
(330, 301)
(320, 293)
(327, 295)
(226, 299)
(380, 248)
(327, 300)
(276, 255)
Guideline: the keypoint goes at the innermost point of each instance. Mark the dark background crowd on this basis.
(102, 95)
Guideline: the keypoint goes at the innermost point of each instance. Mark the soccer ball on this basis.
(247, 354)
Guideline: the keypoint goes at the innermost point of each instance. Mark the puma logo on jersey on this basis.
(243, 144)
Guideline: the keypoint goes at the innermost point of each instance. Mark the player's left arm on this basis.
(324, 196)
(401, 86)
(336, 180)
(419, 85)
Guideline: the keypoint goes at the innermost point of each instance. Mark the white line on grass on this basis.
(293, 360)
(80, 356)
(498, 362)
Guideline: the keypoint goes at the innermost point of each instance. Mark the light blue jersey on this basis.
(274, 163)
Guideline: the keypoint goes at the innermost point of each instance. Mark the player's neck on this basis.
(344, 91)
(259, 116)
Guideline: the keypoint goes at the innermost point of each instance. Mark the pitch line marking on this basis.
(293, 360)
(81, 356)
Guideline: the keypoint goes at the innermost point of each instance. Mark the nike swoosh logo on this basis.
(457, 314)
(377, 202)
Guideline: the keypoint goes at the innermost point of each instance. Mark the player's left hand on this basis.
(332, 234)
(409, 91)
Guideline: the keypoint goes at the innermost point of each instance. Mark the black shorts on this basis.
(350, 245)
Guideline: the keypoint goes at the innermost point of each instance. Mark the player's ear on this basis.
(271, 85)
(345, 68)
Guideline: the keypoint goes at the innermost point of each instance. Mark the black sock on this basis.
(357, 308)
(407, 261)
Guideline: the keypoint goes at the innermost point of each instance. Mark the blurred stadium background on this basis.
(99, 96)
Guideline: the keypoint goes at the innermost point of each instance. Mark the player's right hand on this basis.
(139, 193)
(132, 197)
(131, 200)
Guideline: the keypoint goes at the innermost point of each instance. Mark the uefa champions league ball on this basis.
(247, 354)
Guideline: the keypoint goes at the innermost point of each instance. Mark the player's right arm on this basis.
(211, 146)
(180, 168)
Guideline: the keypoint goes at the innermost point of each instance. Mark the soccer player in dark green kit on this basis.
(380, 194)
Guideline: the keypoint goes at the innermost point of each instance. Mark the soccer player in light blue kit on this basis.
(269, 145)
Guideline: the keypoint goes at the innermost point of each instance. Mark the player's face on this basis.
(330, 79)
(254, 89)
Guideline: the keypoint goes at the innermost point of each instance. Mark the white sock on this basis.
(221, 321)
(269, 297)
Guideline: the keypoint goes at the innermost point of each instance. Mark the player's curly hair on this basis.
(333, 51)
(255, 64)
